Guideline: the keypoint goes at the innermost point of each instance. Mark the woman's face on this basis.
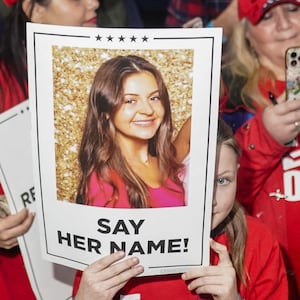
(66, 12)
(225, 184)
(278, 30)
(141, 112)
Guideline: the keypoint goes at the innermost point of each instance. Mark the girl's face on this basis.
(141, 112)
(225, 184)
(278, 30)
(66, 12)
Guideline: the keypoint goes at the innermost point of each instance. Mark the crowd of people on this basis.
(264, 122)
(254, 244)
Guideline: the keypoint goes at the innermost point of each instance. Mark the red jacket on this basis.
(14, 283)
(269, 184)
(264, 266)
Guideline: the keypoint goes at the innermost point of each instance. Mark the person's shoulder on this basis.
(258, 232)
(255, 224)
(262, 249)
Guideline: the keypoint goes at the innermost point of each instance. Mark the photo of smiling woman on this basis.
(126, 156)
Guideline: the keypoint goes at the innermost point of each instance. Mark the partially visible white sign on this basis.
(48, 280)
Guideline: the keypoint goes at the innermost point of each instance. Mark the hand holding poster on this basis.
(62, 65)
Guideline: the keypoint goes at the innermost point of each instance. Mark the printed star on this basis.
(133, 38)
(145, 39)
(121, 38)
(109, 38)
(98, 38)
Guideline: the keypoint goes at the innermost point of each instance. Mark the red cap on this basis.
(253, 10)
(10, 2)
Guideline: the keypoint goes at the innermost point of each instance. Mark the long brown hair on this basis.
(236, 226)
(99, 150)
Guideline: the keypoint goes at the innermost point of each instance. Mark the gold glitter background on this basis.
(73, 72)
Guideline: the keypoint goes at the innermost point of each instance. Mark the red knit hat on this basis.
(253, 10)
(10, 2)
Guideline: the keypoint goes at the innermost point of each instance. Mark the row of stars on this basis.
(121, 38)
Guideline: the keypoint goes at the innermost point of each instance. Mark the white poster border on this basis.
(66, 238)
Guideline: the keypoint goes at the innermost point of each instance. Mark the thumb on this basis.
(281, 98)
(221, 250)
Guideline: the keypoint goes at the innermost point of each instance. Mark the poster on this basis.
(62, 63)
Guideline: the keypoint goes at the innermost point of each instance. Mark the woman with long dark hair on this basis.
(127, 137)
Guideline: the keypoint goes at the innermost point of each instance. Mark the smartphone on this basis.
(292, 59)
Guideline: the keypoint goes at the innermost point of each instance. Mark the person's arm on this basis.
(13, 226)
(182, 140)
(262, 140)
(218, 281)
(104, 278)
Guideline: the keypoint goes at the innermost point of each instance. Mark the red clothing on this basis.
(9, 89)
(14, 282)
(263, 263)
(101, 193)
(264, 266)
(181, 11)
(269, 187)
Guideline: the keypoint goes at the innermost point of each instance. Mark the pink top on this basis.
(100, 193)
